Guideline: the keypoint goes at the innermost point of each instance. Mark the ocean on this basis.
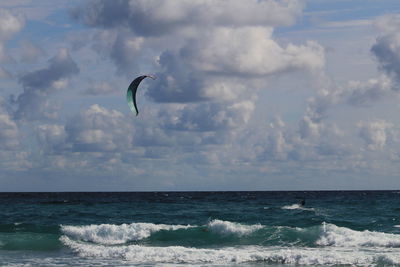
(340, 228)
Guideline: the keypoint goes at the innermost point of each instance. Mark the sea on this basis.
(332, 228)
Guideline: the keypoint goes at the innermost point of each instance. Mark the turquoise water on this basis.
(359, 228)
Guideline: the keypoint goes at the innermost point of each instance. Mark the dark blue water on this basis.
(200, 228)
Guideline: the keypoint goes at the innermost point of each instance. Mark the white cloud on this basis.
(52, 137)
(375, 133)
(98, 129)
(9, 25)
(249, 51)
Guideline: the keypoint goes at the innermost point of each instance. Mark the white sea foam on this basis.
(333, 235)
(295, 207)
(231, 228)
(176, 254)
(112, 234)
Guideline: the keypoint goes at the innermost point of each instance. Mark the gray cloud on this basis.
(98, 129)
(9, 133)
(375, 133)
(387, 46)
(33, 102)
(52, 138)
(203, 68)
(177, 83)
(122, 47)
(209, 116)
(154, 17)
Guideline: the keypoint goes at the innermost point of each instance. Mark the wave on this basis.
(226, 233)
(336, 236)
(111, 234)
(137, 254)
(296, 207)
(231, 228)
(214, 234)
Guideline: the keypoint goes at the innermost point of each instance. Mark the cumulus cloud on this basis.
(354, 93)
(209, 116)
(52, 137)
(33, 102)
(249, 51)
(201, 68)
(387, 46)
(124, 48)
(9, 25)
(9, 133)
(98, 129)
(154, 17)
(375, 133)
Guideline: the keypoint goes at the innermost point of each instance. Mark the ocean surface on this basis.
(360, 228)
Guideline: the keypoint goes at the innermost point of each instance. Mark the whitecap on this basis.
(333, 235)
(232, 228)
(296, 207)
(137, 254)
(116, 234)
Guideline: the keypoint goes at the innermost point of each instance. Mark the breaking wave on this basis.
(322, 244)
(110, 234)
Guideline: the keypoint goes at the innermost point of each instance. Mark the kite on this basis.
(131, 93)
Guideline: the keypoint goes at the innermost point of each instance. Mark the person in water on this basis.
(302, 202)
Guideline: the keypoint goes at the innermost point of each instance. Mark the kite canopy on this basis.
(131, 93)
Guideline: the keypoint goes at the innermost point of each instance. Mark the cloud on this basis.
(209, 116)
(33, 102)
(52, 138)
(124, 48)
(9, 25)
(375, 133)
(98, 129)
(387, 46)
(203, 68)
(144, 27)
(100, 89)
(248, 51)
(9, 133)
(353, 93)
(154, 17)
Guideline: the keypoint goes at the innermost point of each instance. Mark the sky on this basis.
(249, 95)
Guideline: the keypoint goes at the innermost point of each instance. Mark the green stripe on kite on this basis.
(131, 93)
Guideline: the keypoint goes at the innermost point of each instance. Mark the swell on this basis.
(27, 236)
